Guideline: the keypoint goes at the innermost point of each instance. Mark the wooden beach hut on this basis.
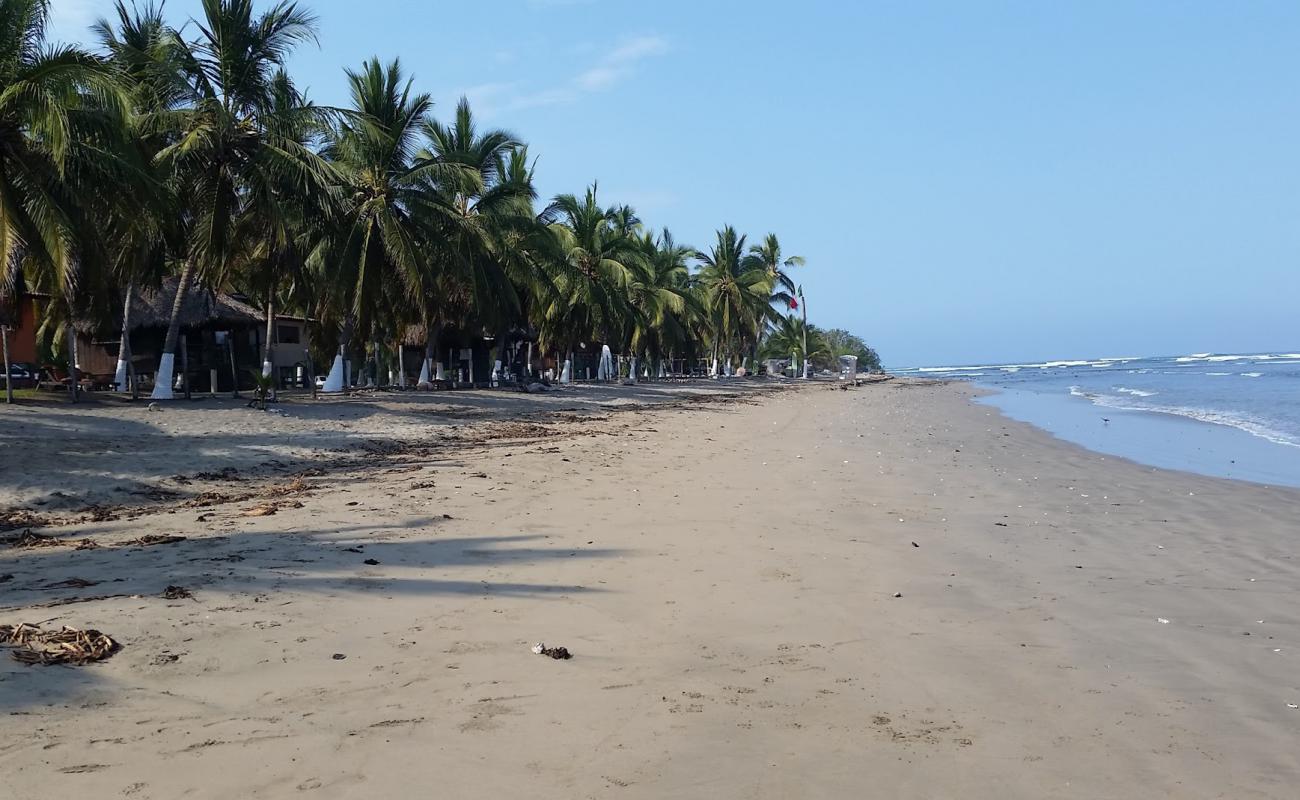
(219, 346)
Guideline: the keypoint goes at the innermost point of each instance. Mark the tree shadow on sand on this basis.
(221, 569)
(64, 459)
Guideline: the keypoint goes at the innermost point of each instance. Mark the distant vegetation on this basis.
(192, 154)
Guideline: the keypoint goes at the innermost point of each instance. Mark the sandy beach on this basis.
(768, 593)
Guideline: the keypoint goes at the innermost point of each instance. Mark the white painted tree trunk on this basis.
(269, 345)
(124, 344)
(441, 373)
(424, 373)
(162, 381)
(496, 372)
(631, 373)
(567, 374)
(605, 371)
(336, 379)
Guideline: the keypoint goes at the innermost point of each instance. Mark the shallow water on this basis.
(1230, 415)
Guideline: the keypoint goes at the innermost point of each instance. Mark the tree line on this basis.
(190, 153)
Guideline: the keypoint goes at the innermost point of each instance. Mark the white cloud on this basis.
(609, 70)
(636, 49)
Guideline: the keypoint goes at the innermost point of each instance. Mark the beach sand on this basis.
(882, 592)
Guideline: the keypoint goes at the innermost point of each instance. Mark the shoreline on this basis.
(1153, 438)
(725, 576)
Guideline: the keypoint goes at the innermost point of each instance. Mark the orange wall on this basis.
(22, 340)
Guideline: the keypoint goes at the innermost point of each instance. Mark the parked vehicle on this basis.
(22, 375)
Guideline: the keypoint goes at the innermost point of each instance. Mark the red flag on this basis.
(794, 304)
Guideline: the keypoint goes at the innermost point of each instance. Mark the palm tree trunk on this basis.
(234, 372)
(185, 365)
(500, 362)
(337, 380)
(124, 346)
(400, 367)
(804, 308)
(162, 385)
(74, 378)
(428, 373)
(267, 367)
(9, 378)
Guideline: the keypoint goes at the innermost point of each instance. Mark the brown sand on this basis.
(723, 574)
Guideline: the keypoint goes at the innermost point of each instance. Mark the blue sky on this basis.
(969, 181)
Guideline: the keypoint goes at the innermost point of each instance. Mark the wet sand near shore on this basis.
(807, 593)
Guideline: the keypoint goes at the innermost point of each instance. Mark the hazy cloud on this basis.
(610, 70)
(605, 73)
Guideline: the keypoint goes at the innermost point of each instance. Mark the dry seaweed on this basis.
(30, 541)
(19, 518)
(177, 593)
(65, 646)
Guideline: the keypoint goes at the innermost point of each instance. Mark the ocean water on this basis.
(1232, 415)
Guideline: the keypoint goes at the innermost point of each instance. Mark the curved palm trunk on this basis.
(124, 345)
(162, 384)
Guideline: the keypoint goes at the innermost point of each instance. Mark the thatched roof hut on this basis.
(202, 310)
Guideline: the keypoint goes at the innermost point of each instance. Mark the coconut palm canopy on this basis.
(149, 179)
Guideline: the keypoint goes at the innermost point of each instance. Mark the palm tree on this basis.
(145, 52)
(661, 294)
(734, 293)
(769, 258)
(492, 196)
(393, 229)
(229, 157)
(270, 253)
(590, 271)
(62, 134)
(794, 337)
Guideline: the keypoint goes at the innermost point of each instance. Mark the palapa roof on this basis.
(202, 308)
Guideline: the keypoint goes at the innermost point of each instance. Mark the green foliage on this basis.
(263, 387)
(839, 342)
(192, 151)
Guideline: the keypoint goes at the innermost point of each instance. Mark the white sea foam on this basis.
(1252, 374)
(1135, 392)
(1237, 357)
(1218, 374)
(1226, 418)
